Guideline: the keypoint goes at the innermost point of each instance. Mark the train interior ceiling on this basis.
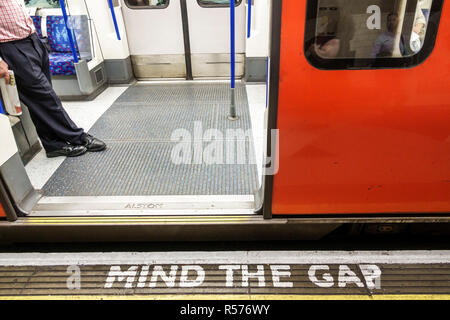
(159, 96)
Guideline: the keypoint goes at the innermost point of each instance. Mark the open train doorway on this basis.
(171, 148)
(183, 39)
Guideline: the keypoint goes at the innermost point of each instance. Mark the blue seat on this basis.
(37, 21)
(61, 64)
(61, 57)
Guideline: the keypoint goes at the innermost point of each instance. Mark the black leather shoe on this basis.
(93, 144)
(68, 151)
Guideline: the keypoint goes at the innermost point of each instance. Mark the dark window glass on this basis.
(147, 4)
(217, 3)
(42, 3)
(342, 34)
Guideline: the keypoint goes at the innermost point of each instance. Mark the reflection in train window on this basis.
(217, 3)
(368, 32)
(147, 4)
(42, 3)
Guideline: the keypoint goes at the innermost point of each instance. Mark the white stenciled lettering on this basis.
(347, 276)
(229, 275)
(185, 282)
(279, 271)
(246, 275)
(115, 273)
(372, 275)
(143, 277)
(169, 280)
(327, 280)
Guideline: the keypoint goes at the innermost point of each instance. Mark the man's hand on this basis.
(4, 71)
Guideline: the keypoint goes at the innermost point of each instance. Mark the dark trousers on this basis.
(28, 58)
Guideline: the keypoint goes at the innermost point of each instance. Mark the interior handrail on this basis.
(69, 33)
(113, 14)
(249, 25)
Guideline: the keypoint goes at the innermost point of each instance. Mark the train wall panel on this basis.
(209, 28)
(112, 48)
(361, 141)
(154, 31)
(258, 43)
(8, 145)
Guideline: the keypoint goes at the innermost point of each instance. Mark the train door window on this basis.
(147, 4)
(361, 34)
(42, 3)
(217, 3)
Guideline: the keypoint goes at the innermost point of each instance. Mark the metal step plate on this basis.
(139, 130)
(144, 206)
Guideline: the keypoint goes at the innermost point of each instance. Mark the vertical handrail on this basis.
(69, 33)
(249, 25)
(113, 14)
(267, 81)
(187, 40)
(233, 42)
(232, 116)
(2, 111)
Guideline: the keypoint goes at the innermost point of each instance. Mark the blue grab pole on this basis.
(113, 14)
(233, 41)
(249, 26)
(267, 82)
(69, 32)
(2, 111)
(232, 116)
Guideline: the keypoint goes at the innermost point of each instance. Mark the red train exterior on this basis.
(361, 141)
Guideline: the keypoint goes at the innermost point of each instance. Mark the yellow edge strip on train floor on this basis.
(136, 217)
(132, 222)
(85, 221)
(233, 297)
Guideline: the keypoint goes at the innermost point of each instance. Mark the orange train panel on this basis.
(372, 141)
(2, 212)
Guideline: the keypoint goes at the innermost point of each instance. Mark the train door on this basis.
(209, 24)
(362, 107)
(183, 39)
(155, 37)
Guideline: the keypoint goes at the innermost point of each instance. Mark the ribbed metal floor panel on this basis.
(138, 129)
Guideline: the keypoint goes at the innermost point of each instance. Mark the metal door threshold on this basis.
(144, 206)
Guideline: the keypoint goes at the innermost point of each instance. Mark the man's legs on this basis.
(28, 59)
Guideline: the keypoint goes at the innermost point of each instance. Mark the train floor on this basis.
(224, 275)
(168, 142)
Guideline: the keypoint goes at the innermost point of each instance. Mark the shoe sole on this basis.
(67, 155)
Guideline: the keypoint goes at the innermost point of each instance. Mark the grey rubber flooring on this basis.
(139, 161)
